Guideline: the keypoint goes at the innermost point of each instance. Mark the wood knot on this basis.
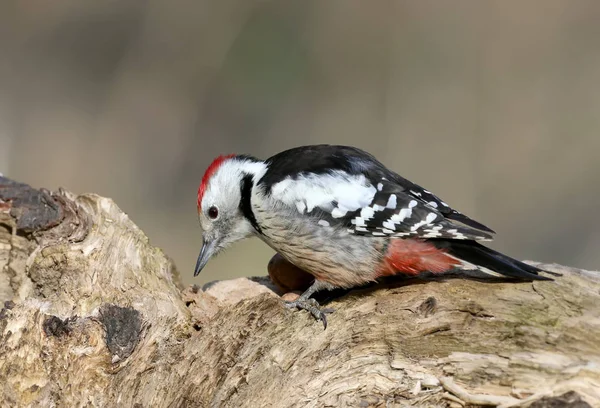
(34, 210)
(428, 307)
(123, 326)
(8, 305)
(56, 327)
(569, 399)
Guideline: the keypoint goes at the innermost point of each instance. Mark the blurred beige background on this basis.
(493, 105)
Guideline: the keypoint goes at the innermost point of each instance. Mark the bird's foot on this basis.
(312, 306)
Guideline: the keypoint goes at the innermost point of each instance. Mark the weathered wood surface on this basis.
(94, 315)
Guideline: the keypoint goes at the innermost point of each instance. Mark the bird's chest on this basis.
(329, 253)
(296, 237)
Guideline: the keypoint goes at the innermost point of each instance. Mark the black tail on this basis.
(477, 254)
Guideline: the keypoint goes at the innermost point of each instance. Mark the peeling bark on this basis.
(94, 315)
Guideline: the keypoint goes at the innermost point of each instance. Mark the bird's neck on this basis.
(254, 168)
(251, 171)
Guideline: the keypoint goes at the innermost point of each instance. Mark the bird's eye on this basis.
(213, 212)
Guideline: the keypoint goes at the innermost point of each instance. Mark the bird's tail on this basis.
(487, 259)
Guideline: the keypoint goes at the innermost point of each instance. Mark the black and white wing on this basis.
(347, 187)
(431, 200)
(384, 209)
(395, 211)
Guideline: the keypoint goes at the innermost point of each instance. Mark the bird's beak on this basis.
(208, 248)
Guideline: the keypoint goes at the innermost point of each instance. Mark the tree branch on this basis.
(95, 315)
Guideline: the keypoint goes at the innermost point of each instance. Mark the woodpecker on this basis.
(339, 214)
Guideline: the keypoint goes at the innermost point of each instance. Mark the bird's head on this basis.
(219, 204)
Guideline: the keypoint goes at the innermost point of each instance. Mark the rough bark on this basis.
(95, 316)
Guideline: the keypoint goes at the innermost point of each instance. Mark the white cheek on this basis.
(205, 223)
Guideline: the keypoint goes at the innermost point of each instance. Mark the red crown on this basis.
(214, 166)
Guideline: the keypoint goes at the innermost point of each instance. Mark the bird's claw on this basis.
(312, 306)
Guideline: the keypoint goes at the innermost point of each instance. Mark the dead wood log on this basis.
(95, 316)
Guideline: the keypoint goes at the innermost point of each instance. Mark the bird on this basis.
(341, 215)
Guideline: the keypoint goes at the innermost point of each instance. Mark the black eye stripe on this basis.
(213, 212)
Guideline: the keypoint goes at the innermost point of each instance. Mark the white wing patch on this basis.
(428, 220)
(338, 213)
(301, 206)
(392, 201)
(310, 191)
(433, 232)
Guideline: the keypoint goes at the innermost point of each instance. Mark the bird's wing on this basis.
(431, 200)
(397, 212)
(383, 207)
